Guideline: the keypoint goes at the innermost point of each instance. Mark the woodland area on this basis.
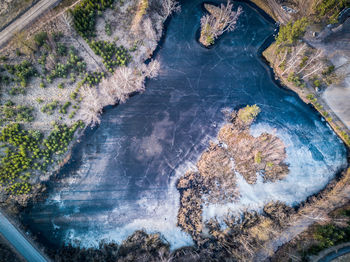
(302, 67)
(57, 77)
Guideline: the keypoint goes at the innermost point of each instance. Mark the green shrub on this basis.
(93, 78)
(63, 109)
(329, 70)
(248, 113)
(108, 29)
(72, 114)
(330, 9)
(17, 157)
(74, 63)
(317, 83)
(84, 15)
(40, 38)
(57, 36)
(27, 150)
(3, 58)
(303, 61)
(23, 71)
(289, 33)
(17, 90)
(39, 100)
(49, 108)
(72, 77)
(61, 49)
(111, 54)
(74, 95)
(269, 164)
(327, 236)
(296, 80)
(257, 158)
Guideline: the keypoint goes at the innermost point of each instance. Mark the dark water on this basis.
(121, 176)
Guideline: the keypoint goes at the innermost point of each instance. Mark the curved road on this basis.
(25, 19)
(332, 253)
(19, 242)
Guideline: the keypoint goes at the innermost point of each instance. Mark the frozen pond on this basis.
(121, 176)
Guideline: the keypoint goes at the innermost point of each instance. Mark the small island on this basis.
(237, 152)
(219, 20)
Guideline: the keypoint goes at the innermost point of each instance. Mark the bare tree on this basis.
(52, 44)
(149, 30)
(107, 93)
(283, 59)
(67, 20)
(314, 69)
(141, 11)
(219, 21)
(169, 7)
(292, 61)
(164, 256)
(128, 81)
(50, 62)
(318, 54)
(152, 69)
(91, 107)
(123, 82)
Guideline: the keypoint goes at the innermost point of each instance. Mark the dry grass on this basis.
(9, 9)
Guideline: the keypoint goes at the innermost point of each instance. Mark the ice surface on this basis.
(122, 175)
(311, 168)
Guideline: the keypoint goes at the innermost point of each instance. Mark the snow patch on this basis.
(311, 169)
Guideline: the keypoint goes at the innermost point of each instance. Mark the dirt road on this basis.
(26, 19)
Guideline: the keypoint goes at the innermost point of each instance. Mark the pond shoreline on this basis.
(326, 191)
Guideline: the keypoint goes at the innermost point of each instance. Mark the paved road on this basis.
(332, 253)
(25, 19)
(19, 242)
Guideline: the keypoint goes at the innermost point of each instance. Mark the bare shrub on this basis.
(152, 69)
(149, 30)
(219, 21)
(123, 82)
(67, 21)
(91, 107)
(169, 7)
